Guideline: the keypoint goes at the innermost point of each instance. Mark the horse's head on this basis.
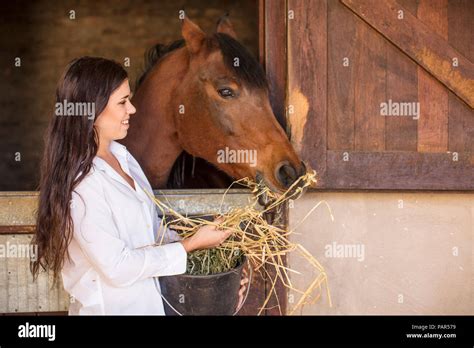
(223, 113)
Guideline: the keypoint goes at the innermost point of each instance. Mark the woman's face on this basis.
(112, 123)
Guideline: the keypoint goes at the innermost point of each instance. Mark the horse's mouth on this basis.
(263, 182)
(260, 178)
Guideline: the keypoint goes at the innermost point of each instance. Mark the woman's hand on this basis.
(243, 287)
(206, 237)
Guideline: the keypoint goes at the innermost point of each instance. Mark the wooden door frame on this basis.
(272, 55)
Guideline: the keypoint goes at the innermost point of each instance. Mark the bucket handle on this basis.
(236, 311)
(248, 289)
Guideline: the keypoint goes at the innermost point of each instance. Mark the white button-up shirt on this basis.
(109, 272)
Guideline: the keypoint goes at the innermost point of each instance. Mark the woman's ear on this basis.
(193, 35)
(224, 26)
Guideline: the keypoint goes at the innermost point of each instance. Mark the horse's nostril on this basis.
(286, 175)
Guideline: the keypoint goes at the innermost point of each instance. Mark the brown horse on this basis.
(208, 96)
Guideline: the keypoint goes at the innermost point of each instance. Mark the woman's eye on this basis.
(122, 102)
(226, 92)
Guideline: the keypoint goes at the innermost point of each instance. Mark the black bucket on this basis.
(215, 294)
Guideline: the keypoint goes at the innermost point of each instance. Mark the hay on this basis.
(253, 236)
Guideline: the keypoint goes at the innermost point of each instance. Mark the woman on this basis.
(95, 223)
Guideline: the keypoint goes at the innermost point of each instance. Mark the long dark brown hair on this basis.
(71, 142)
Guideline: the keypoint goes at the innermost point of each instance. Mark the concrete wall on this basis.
(417, 252)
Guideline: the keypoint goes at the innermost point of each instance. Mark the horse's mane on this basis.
(248, 70)
(154, 54)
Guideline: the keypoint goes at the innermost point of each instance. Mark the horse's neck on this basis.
(152, 137)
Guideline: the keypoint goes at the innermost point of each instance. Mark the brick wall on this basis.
(46, 39)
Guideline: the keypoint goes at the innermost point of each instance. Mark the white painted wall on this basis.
(418, 252)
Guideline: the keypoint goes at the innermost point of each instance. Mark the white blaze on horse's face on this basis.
(113, 122)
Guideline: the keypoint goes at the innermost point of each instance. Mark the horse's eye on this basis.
(226, 92)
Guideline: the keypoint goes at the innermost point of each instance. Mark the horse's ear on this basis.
(193, 35)
(225, 26)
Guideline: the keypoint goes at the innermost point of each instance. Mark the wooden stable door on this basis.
(376, 94)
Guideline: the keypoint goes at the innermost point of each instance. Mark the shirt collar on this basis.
(118, 149)
(123, 156)
(120, 152)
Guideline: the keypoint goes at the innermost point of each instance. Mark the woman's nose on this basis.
(131, 109)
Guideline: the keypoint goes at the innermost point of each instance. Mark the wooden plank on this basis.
(461, 125)
(276, 69)
(261, 32)
(410, 5)
(12, 279)
(32, 291)
(64, 299)
(3, 278)
(369, 89)
(43, 291)
(419, 42)
(461, 117)
(341, 77)
(17, 209)
(402, 86)
(24, 275)
(307, 81)
(278, 293)
(53, 294)
(17, 229)
(275, 56)
(433, 122)
(18, 292)
(400, 170)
